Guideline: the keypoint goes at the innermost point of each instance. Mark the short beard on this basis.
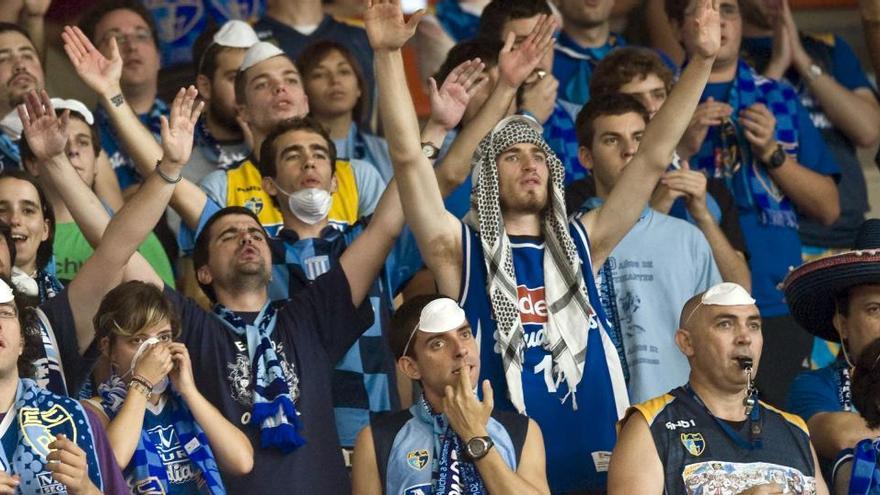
(248, 281)
(221, 117)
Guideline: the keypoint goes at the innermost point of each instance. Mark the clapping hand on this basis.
(448, 103)
(386, 27)
(100, 73)
(517, 64)
(46, 133)
(177, 131)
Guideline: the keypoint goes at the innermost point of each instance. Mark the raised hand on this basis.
(780, 59)
(692, 185)
(702, 29)
(450, 101)
(181, 375)
(467, 415)
(386, 27)
(516, 64)
(69, 466)
(46, 133)
(97, 71)
(155, 363)
(177, 132)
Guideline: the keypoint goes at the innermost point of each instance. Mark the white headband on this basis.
(438, 316)
(723, 294)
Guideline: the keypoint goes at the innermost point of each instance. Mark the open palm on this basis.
(177, 131)
(703, 28)
(516, 64)
(449, 102)
(46, 133)
(386, 27)
(100, 73)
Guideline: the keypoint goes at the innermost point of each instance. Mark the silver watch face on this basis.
(477, 447)
(428, 150)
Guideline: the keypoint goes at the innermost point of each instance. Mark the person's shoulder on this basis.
(386, 424)
(651, 409)
(791, 419)
(824, 376)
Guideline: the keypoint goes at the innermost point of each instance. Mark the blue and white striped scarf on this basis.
(273, 407)
(750, 181)
(40, 416)
(146, 469)
(452, 473)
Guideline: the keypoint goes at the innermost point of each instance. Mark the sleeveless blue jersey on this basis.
(578, 442)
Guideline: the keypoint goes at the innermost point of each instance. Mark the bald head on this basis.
(688, 312)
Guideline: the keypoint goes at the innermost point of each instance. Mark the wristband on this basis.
(143, 381)
(166, 178)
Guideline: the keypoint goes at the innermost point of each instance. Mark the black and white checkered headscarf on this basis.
(566, 331)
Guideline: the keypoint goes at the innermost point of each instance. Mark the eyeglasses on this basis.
(139, 36)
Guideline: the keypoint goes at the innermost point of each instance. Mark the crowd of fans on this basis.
(562, 280)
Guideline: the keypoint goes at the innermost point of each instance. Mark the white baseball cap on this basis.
(74, 106)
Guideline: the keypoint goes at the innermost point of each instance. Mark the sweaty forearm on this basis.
(136, 139)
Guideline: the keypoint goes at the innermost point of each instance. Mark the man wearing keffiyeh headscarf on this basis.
(522, 273)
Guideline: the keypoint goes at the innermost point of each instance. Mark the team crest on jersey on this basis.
(254, 204)
(315, 266)
(417, 459)
(693, 443)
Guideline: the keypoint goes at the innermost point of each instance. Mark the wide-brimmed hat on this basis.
(811, 288)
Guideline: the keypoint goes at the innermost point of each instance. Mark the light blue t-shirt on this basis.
(660, 264)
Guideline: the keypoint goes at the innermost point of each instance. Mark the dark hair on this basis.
(675, 10)
(27, 155)
(313, 54)
(866, 384)
(6, 232)
(44, 251)
(6, 27)
(204, 51)
(405, 320)
(841, 301)
(93, 16)
(32, 340)
(624, 65)
(267, 149)
(500, 12)
(202, 249)
(131, 307)
(485, 49)
(613, 104)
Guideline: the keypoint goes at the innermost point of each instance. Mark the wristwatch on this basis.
(430, 151)
(476, 448)
(776, 159)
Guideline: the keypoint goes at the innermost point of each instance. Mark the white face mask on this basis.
(309, 205)
(160, 387)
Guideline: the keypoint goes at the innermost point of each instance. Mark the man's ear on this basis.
(334, 184)
(203, 84)
(31, 167)
(269, 186)
(684, 342)
(104, 345)
(839, 323)
(409, 367)
(585, 157)
(203, 274)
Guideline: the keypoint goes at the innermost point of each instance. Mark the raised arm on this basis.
(514, 65)
(129, 228)
(436, 230)
(102, 75)
(608, 225)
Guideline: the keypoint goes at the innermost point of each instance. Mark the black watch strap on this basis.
(776, 159)
(476, 448)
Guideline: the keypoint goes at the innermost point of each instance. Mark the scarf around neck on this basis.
(452, 474)
(273, 401)
(146, 466)
(758, 188)
(570, 313)
(41, 415)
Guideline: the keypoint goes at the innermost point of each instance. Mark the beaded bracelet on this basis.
(166, 178)
(143, 381)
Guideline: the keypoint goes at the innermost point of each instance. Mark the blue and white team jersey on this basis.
(578, 442)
